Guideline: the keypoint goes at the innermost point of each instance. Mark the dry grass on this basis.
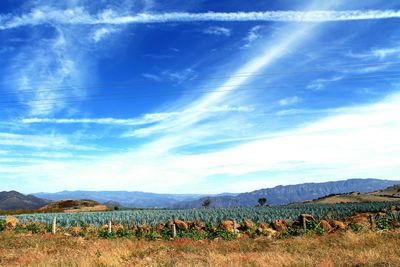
(339, 249)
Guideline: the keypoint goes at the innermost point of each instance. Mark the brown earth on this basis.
(337, 249)
(83, 205)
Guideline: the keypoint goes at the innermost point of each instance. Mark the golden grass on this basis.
(338, 249)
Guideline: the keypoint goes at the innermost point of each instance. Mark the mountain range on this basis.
(275, 196)
(285, 194)
(14, 200)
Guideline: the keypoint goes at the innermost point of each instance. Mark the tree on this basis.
(262, 201)
(206, 202)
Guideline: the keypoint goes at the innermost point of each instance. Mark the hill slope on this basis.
(82, 205)
(14, 200)
(124, 198)
(293, 193)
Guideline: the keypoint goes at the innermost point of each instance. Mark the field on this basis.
(381, 248)
(256, 214)
(362, 234)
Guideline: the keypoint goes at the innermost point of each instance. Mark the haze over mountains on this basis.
(276, 196)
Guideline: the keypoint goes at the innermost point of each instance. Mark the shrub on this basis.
(382, 223)
(2, 225)
(124, 233)
(106, 234)
(355, 227)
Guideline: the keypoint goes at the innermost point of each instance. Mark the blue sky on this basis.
(197, 96)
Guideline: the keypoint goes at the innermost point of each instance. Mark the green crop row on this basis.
(209, 215)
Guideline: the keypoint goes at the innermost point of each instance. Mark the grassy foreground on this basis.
(379, 248)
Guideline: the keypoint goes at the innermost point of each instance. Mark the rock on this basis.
(169, 224)
(227, 226)
(338, 224)
(198, 225)
(181, 225)
(381, 214)
(75, 230)
(361, 218)
(66, 234)
(248, 225)
(279, 225)
(326, 226)
(118, 226)
(159, 227)
(11, 222)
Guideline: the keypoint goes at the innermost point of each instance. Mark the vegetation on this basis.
(212, 215)
(206, 202)
(339, 249)
(262, 201)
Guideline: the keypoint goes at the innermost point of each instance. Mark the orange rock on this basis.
(75, 230)
(227, 226)
(181, 224)
(11, 222)
(248, 224)
(326, 226)
(338, 224)
(159, 227)
(197, 224)
(279, 225)
(169, 224)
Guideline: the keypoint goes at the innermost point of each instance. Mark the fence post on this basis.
(109, 227)
(304, 222)
(234, 226)
(372, 220)
(54, 226)
(174, 231)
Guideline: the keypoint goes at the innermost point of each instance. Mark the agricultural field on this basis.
(213, 215)
(323, 235)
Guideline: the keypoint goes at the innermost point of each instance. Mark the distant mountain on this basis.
(124, 198)
(291, 193)
(14, 200)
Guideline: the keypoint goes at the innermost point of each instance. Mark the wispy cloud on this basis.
(319, 84)
(79, 15)
(288, 101)
(101, 33)
(146, 119)
(214, 30)
(39, 141)
(253, 35)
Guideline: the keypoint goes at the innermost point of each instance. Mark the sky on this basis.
(197, 96)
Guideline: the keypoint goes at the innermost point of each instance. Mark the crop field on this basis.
(211, 215)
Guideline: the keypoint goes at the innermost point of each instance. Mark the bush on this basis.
(355, 227)
(382, 223)
(33, 227)
(2, 225)
(106, 234)
(124, 233)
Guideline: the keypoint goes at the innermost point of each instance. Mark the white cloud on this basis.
(39, 141)
(146, 119)
(45, 15)
(217, 31)
(319, 84)
(101, 33)
(288, 101)
(360, 141)
(253, 35)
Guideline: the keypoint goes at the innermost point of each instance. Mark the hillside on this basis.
(354, 197)
(293, 193)
(124, 198)
(14, 200)
(82, 205)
